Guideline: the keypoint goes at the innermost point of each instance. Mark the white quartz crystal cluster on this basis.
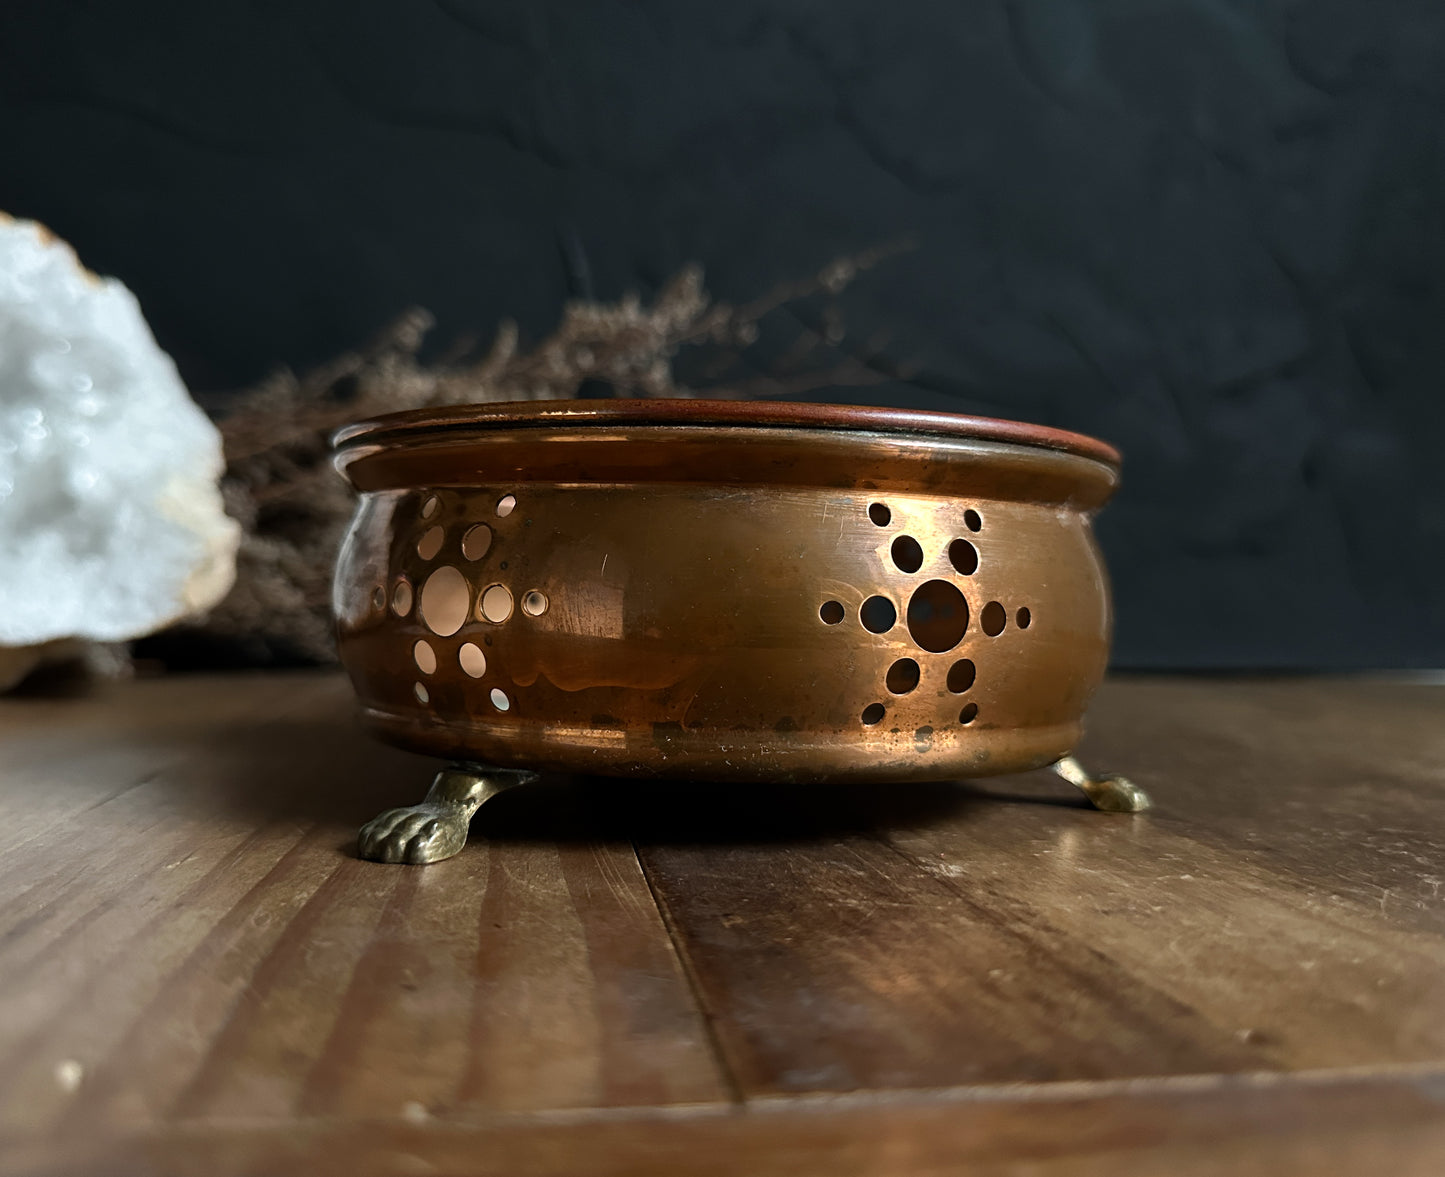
(111, 524)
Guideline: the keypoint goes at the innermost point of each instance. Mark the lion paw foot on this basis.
(1111, 794)
(416, 834)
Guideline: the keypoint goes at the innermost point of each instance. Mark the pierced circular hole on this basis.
(971, 520)
(880, 514)
(961, 675)
(907, 554)
(476, 541)
(472, 660)
(500, 700)
(937, 616)
(534, 603)
(445, 599)
(429, 508)
(993, 618)
(495, 605)
(969, 713)
(1024, 618)
(506, 505)
(873, 713)
(424, 656)
(401, 598)
(378, 597)
(431, 543)
(421, 693)
(902, 676)
(831, 612)
(878, 614)
(963, 556)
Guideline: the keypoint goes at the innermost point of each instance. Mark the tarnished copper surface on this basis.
(727, 592)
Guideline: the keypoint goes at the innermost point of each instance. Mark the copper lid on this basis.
(734, 414)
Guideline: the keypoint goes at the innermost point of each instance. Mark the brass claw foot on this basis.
(437, 828)
(1112, 794)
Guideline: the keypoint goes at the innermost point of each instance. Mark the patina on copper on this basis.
(722, 591)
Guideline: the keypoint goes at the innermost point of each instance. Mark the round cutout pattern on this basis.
(472, 660)
(902, 676)
(401, 597)
(961, 675)
(476, 541)
(431, 543)
(495, 604)
(445, 601)
(993, 619)
(937, 616)
(907, 554)
(878, 614)
(963, 556)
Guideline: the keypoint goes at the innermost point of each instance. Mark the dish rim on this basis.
(414, 425)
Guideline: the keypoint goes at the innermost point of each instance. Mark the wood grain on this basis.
(202, 942)
(1334, 1127)
(196, 973)
(1269, 914)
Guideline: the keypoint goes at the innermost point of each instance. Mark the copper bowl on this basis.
(724, 590)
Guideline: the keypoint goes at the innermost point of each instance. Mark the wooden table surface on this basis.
(198, 975)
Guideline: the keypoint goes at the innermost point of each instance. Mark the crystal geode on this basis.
(111, 523)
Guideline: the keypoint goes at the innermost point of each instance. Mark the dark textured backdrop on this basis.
(1211, 231)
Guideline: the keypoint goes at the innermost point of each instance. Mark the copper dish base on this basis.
(718, 591)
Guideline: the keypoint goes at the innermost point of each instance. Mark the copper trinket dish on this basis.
(718, 591)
